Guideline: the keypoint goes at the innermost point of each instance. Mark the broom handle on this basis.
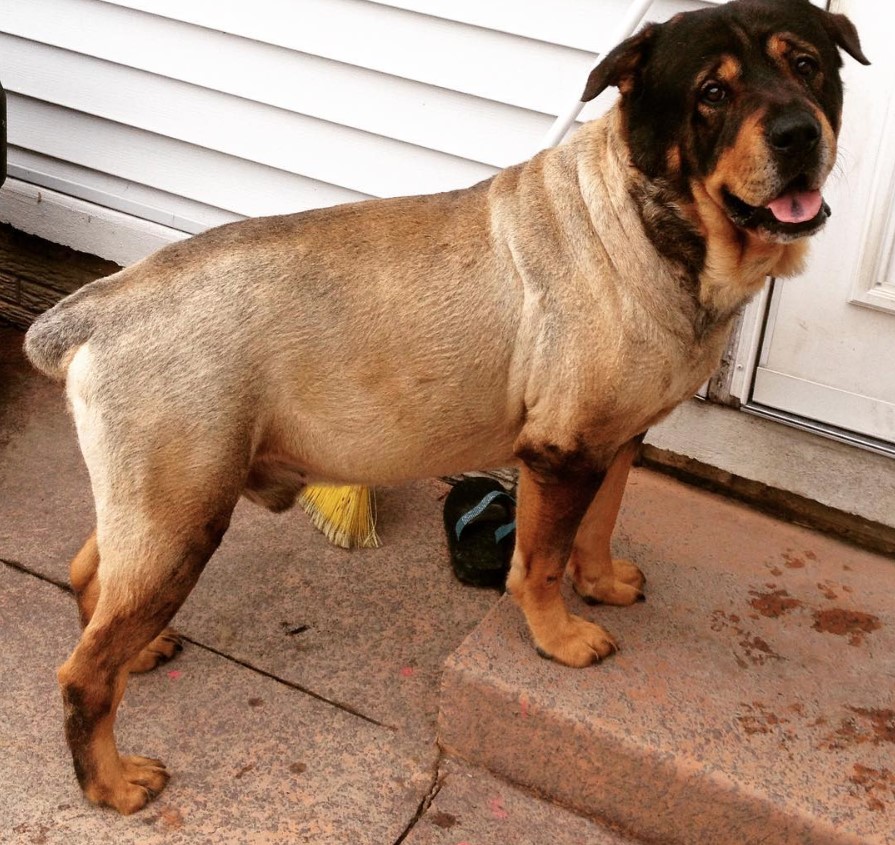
(561, 125)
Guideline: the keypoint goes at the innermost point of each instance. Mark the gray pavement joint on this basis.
(20, 567)
(346, 708)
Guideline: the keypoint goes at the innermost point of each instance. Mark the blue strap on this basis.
(504, 530)
(475, 512)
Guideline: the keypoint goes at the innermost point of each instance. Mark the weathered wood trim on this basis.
(35, 274)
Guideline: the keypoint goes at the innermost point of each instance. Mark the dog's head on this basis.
(744, 99)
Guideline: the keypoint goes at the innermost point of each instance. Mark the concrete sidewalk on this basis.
(752, 701)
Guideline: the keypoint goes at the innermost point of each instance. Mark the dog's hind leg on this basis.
(166, 474)
(85, 584)
(144, 577)
(595, 575)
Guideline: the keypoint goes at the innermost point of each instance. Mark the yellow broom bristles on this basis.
(346, 515)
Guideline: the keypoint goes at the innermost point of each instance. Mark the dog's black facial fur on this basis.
(690, 85)
(662, 107)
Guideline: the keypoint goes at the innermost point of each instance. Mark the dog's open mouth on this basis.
(795, 212)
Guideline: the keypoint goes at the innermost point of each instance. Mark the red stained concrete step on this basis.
(752, 701)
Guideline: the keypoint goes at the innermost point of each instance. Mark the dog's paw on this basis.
(621, 587)
(162, 649)
(141, 780)
(576, 642)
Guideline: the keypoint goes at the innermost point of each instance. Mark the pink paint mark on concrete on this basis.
(406, 671)
(497, 808)
(174, 674)
(523, 706)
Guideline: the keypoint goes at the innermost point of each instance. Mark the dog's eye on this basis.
(713, 93)
(806, 67)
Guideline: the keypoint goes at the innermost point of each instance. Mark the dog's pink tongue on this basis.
(796, 206)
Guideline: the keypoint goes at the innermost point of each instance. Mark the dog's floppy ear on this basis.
(844, 34)
(621, 65)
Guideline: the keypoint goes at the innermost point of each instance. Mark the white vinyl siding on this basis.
(189, 113)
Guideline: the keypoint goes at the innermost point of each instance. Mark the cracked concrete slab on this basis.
(251, 760)
(473, 806)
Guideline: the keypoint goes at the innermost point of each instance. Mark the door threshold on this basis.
(851, 438)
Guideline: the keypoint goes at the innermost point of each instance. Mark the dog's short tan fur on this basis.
(546, 317)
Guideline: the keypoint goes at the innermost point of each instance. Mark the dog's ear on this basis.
(844, 34)
(621, 65)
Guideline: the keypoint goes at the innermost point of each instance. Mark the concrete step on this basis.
(472, 807)
(752, 701)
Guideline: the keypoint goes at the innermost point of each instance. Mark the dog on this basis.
(545, 318)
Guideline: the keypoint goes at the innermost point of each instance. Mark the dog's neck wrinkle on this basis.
(603, 162)
(615, 254)
(587, 171)
(595, 229)
(619, 159)
(650, 209)
(719, 266)
(666, 214)
(670, 231)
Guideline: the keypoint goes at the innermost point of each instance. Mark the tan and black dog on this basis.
(545, 317)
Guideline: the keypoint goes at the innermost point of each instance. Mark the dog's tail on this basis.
(55, 335)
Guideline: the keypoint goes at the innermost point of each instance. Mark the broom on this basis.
(346, 514)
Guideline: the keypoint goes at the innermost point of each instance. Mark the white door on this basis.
(828, 353)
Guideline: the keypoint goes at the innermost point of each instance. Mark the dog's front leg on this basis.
(551, 505)
(596, 575)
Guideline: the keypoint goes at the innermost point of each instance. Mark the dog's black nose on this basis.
(793, 132)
